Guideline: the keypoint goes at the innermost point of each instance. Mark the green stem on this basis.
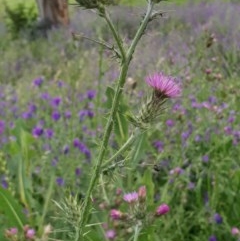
(137, 230)
(127, 144)
(108, 128)
(115, 35)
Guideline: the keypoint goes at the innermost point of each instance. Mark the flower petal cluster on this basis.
(164, 86)
(131, 197)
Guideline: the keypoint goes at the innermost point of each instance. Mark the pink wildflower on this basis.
(164, 86)
(131, 197)
(11, 232)
(235, 231)
(116, 214)
(142, 193)
(30, 233)
(110, 234)
(162, 209)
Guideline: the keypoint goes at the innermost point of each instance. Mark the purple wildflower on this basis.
(90, 114)
(4, 183)
(32, 108)
(76, 142)
(116, 214)
(60, 181)
(131, 197)
(30, 233)
(158, 145)
(91, 94)
(205, 158)
(212, 238)
(82, 147)
(218, 218)
(45, 96)
(26, 115)
(49, 133)
(84, 113)
(2, 126)
(56, 115)
(164, 86)
(38, 82)
(78, 171)
(170, 123)
(67, 114)
(37, 131)
(56, 101)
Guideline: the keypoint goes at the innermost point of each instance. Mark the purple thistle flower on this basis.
(164, 86)
(130, 197)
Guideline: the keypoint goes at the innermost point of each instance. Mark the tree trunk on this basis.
(53, 13)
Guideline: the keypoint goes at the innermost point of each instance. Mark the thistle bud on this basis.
(162, 209)
(142, 193)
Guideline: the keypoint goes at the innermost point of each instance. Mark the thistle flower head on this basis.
(164, 86)
(131, 197)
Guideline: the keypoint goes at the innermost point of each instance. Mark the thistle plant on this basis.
(163, 88)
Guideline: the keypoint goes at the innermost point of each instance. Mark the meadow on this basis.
(179, 180)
